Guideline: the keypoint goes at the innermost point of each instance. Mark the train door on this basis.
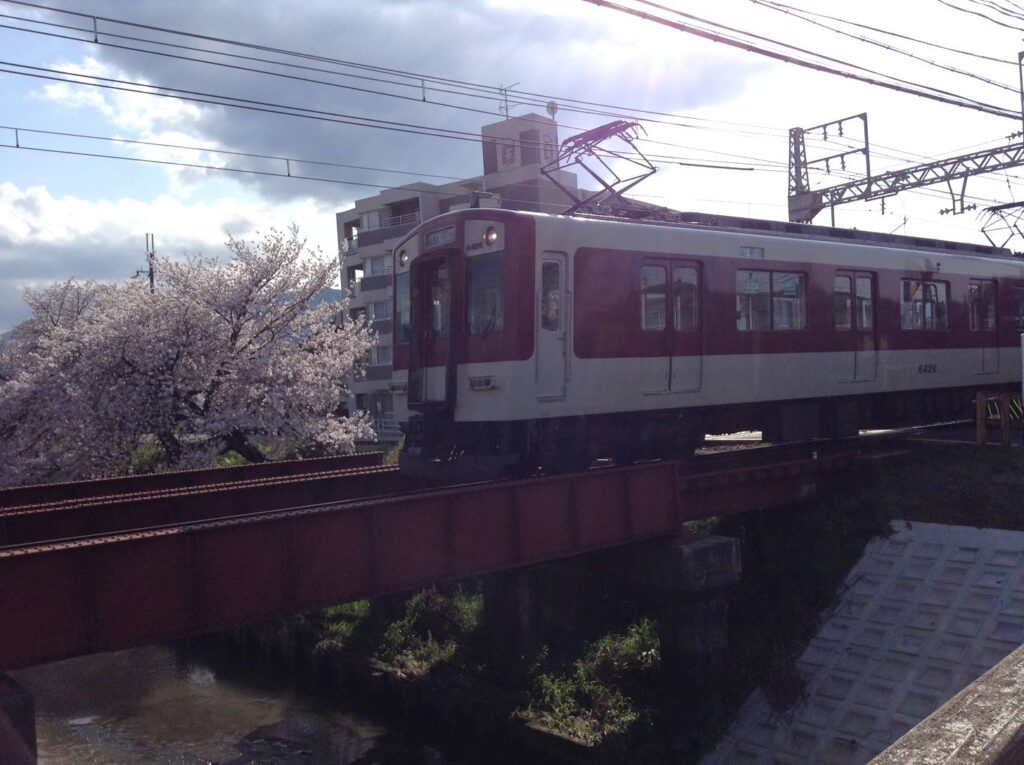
(854, 323)
(431, 310)
(552, 326)
(981, 309)
(687, 345)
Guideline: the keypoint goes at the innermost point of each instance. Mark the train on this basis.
(533, 343)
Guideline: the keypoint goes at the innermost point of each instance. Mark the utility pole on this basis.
(151, 263)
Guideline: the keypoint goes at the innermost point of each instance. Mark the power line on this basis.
(889, 33)
(885, 46)
(215, 150)
(127, 86)
(934, 94)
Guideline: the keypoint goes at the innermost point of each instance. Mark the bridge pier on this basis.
(17, 724)
(690, 579)
(512, 614)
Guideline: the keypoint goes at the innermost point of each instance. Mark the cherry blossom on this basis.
(240, 356)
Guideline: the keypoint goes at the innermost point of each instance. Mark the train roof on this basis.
(782, 228)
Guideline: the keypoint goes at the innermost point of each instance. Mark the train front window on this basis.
(440, 301)
(485, 311)
(403, 308)
(652, 285)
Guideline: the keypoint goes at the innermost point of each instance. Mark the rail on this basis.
(33, 494)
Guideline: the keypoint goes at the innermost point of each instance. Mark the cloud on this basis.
(580, 52)
(44, 238)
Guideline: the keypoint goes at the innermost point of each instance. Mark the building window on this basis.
(378, 266)
(380, 310)
(981, 303)
(652, 289)
(770, 300)
(924, 305)
(381, 354)
(485, 311)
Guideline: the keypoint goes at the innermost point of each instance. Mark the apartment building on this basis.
(513, 152)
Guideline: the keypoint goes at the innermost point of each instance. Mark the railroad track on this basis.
(20, 496)
(96, 515)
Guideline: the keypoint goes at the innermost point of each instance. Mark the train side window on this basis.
(753, 300)
(550, 291)
(865, 303)
(1018, 293)
(981, 304)
(843, 301)
(789, 301)
(924, 305)
(652, 287)
(685, 298)
(486, 306)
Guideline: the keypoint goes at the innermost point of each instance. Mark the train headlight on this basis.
(490, 236)
(403, 258)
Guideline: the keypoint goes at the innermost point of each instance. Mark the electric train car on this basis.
(527, 341)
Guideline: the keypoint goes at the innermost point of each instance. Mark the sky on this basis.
(418, 66)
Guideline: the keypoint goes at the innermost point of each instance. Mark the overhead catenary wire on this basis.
(110, 83)
(896, 85)
(886, 46)
(481, 91)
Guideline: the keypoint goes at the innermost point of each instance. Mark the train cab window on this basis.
(652, 286)
(440, 303)
(550, 290)
(485, 311)
(843, 302)
(924, 305)
(981, 304)
(403, 307)
(685, 298)
(865, 303)
(770, 300)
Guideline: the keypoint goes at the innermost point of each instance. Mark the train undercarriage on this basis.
(438, 448)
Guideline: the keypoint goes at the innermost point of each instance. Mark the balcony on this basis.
(353, 245)
(400, 220)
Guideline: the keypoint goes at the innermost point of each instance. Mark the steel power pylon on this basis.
(805, 203)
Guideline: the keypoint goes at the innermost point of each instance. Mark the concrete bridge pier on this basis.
(512, 614)
(17, 724)
(690, 578)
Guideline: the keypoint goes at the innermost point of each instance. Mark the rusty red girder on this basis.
(59, 492)
(71, 598)
(113, 514)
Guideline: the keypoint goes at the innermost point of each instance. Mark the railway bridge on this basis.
(102, 565)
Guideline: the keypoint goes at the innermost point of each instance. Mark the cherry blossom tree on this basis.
(237, 356)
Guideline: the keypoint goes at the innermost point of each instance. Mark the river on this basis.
(155, 706)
